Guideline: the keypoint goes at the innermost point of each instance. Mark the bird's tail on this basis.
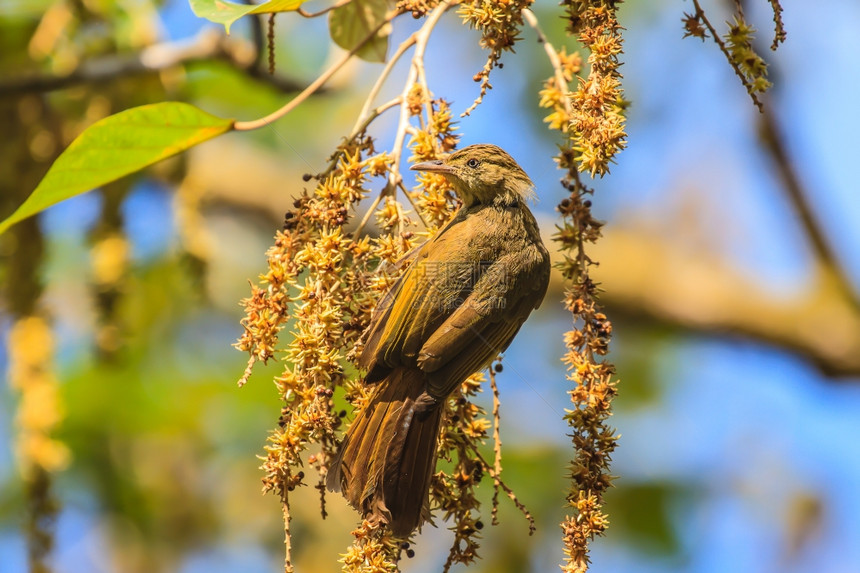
(386, 460)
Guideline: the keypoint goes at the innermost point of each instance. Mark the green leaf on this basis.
(352, 22)
(118, 145)
(226, 13)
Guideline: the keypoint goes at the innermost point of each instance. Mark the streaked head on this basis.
(481, 173)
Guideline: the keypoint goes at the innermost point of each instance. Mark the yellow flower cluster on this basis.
(39, 412)
(499, 22)
(737, 45)
(325, 281)
(464, 427)
(593, 121)
(552, 95)
(752, 66)
(597, 118)
(372, 552)
(594, 386)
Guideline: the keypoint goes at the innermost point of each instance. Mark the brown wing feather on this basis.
(382, 313)
(413, 310)
(467, 342)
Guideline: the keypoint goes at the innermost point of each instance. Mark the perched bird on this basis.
(460, 301)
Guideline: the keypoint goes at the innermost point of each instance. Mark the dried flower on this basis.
(597, 116)
(737, 45)
(499, 22)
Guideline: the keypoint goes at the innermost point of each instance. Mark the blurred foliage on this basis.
(643, 512)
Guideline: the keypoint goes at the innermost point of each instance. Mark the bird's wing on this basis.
(479, 329)
(382, 312)
(394, 316)
(407, 315)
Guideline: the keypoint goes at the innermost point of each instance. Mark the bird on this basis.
(463, 296)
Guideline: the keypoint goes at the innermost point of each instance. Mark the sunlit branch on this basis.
(421, 38)
(317, 83)
(646, 278)
(531, 19)
(771, 135)
(338, 4)
(412, 203)
(489, 468)
(700, 14)
(497, 445)
(380, 81)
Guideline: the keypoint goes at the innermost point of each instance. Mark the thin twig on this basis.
(322, 489)
(421, 38)
(207, 45)
(367, 216)
(485, 86)
(357, 130)
(779, 34)
(383, 76)
(497, 445)
(288, 544)
(248, 370)
(771, 136)
(414, 205)
(425, 87)
(361, 127)
(554, 60)
(338, 4)
(270, 43)
(316, 84)
(400, 218)
(508, 491)
(700, 14)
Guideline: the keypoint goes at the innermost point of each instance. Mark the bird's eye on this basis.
(473, 163)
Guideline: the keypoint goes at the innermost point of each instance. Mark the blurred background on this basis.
(730, 264)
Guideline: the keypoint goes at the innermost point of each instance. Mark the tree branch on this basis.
(207, 45)
(552, 54)
(325, 10)
(700, 14)
(317, 83)
(771, 135)
(645, 278)
(422, 36)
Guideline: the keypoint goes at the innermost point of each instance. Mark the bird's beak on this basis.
(436, 166)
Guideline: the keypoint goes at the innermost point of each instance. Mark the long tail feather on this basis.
(388, 456)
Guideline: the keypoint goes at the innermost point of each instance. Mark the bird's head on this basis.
(482, 173)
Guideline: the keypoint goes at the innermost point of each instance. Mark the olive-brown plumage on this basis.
(461, 300)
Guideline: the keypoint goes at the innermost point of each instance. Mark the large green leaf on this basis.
(352, 22)
(226, 13)
(118, 145)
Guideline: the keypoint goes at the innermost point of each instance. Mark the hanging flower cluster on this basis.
(592, 118)
(322, 283)
(597, 117)
(499, 22)
(737, 45)
(326, 282)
